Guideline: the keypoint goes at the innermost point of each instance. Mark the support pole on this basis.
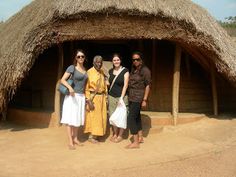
(214, 91)
(57, 100)
(176, 81)
(153, 98)
(154, 54)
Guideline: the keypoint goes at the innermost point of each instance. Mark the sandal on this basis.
(92, 140)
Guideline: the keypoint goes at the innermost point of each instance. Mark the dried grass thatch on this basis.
(43, 23)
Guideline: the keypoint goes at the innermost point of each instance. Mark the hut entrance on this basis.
(37, 91)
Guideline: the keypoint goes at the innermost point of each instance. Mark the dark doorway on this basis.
(105, 48)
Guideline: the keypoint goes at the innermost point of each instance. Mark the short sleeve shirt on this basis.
(137, 83)
(79, 79)
(118, 85)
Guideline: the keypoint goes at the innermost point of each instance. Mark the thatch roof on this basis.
(43, 23)
(234, 39)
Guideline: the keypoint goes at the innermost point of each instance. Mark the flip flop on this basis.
(94, 141)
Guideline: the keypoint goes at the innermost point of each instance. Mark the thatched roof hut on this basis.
(45, 23)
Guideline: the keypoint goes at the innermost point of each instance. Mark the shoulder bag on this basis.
(62, 88)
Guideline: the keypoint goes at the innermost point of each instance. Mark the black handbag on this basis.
(62, 88)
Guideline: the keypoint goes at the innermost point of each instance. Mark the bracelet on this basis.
(144, 100)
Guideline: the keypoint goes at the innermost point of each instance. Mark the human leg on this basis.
(133, 122)
(70, 137)
(120, 135)
(115, 133)
(140, 132)
(75, 136)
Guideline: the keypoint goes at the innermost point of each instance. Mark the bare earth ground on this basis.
(206, 148)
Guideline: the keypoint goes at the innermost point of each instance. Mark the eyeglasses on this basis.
(80, 56)
(136, 59)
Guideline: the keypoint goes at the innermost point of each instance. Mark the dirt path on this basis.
(204, 148)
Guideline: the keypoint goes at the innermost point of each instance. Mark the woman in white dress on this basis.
(73, 111)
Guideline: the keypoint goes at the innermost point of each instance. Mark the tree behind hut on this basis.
(229, 25)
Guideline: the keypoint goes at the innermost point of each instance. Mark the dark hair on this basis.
(141, 57)
(138, 53)
(116, 55)
(77, 51)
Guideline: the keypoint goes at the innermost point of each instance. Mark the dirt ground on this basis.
(206, 148)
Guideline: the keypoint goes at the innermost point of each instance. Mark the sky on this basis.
(219, 9)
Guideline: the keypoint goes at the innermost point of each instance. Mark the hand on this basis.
(120, 101)
(72, 92)
(87, 107)
(144, 103)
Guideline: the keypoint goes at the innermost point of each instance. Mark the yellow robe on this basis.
(96, 120)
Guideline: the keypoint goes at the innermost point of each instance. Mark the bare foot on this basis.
(118, 139)
(140, 140)
(132, 146)
(113, 138)
(71, 147)
(78, 143)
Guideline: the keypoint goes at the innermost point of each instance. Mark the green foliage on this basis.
(229, 23)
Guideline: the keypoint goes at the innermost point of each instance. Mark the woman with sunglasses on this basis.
(139, 88)
(73, 111)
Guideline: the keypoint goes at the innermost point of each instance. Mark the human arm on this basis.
(147, 82)
(145, 97)
(126, 81)
(124, 89)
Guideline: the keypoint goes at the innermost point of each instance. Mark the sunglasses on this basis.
(80, 56)
(136, 59)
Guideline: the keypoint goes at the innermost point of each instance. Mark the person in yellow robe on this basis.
(96, 90)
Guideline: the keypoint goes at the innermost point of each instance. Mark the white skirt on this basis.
(73, 110)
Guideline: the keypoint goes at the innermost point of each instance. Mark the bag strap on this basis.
(72, 74)
(121, 69)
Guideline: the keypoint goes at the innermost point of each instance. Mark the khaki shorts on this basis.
(112, 103)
